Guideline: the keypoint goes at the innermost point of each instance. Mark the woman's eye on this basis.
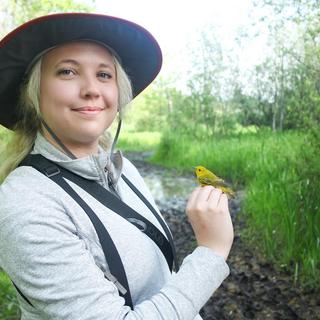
(65, 72)
(105, 75)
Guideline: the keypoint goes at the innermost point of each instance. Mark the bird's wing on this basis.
(212, 182)
(208, 181)
(205, 181)
(221, 183)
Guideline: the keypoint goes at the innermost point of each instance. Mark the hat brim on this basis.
(139, 52)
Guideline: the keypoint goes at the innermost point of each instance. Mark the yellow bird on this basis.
(207, 178)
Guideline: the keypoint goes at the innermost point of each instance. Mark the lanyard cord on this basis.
(72, 156)
(58, 141)
(115, 140)
(67, 151)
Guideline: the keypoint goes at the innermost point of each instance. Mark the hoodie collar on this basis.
(90, 167)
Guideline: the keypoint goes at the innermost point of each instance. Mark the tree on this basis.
(211, 80)
(291, 71)
(149, 110)
(16, 12)
(249, 110)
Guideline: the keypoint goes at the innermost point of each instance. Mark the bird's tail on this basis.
(228, 191)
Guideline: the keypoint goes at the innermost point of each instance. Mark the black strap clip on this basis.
(51, 171)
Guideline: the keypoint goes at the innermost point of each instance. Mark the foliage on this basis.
(280, 173)
(23, 10)
(138, 141)
(9, 309)
(308, 209)
(284, 212)
(149, 110)
(282, 92)
(250, 111)
(17, 12)
(287, 82)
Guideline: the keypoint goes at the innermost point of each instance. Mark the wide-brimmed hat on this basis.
(139, 52)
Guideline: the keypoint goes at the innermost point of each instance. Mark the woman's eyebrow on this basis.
(75, 62)
(106, 65)
(68, 61)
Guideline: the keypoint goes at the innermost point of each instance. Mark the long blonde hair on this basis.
(26, 129)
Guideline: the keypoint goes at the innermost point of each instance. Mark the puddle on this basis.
(165, 187)
(164, 184)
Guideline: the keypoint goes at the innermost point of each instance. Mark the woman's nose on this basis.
(89, 89)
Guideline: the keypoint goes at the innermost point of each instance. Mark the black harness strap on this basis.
(112, 202)
(109, 249)
(118, 275)
(156, 214)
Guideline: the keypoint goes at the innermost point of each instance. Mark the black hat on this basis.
(139, 52)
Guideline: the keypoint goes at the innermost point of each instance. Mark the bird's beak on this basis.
(194, 171)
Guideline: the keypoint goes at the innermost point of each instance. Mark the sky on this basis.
(174, 23)
(171, 21)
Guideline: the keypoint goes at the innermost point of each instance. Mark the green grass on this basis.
(282, 199)
(9, 309)
(138, 141)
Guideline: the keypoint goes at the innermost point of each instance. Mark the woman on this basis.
(81, 237)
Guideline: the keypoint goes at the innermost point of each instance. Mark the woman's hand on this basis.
(209, 215)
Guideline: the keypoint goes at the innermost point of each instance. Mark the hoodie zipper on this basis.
(105, 177)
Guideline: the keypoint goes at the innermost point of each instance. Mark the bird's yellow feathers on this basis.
(207, 178)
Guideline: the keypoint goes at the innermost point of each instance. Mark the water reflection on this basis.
(165, 187)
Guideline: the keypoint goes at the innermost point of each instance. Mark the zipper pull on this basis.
(111, 184)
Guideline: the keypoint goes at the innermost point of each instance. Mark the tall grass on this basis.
(138, 141)
(282, 196)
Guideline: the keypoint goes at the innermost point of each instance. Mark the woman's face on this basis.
(78, 94)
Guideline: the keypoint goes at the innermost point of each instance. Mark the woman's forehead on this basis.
(79, 50)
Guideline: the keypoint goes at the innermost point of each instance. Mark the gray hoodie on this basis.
(51, 251)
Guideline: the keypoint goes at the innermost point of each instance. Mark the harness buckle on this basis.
(51, 171)
(116, 282)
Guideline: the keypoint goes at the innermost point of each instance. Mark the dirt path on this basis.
(254, 289)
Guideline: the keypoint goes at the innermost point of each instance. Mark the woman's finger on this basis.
(204, 194)
(192, 198)
(214, 197)
(223, 202)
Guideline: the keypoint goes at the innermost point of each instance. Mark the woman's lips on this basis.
(88, 110)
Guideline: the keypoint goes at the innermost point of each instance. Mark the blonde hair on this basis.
(26, 129)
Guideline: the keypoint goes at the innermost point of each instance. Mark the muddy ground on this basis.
(254, 288)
